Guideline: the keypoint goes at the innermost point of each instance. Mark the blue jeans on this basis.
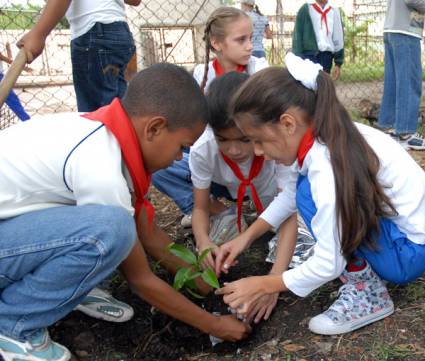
(14, 104)
(402, 83)
(99, 59)
(259, 53)
(50, 259)
(396, 259)
(324, 58)
(175, 181)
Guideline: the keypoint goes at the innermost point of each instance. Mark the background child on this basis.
(66, 209)
(228, 34)
(260, 25)
(361, 195)
(223, 158)
(319, 36)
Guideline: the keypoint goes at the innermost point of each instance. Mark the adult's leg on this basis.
(387, 113)
(408, 73)
(50, 259)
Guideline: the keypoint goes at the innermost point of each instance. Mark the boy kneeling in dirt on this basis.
(66, 210)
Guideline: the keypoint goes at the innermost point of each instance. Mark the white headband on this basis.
(303, 70)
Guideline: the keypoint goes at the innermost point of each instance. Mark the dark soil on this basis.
(151, 335)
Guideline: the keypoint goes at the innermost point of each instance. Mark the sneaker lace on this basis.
(345, 298)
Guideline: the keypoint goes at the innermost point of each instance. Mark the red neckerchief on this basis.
(219, 70)
(306, 143)
(323, 15)
(256, 166)
(114, 117)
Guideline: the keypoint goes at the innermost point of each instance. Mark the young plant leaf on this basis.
(210, 278)
(194, 275)
(181, 277)
(182, 252)
(203, 255)
(194, 294)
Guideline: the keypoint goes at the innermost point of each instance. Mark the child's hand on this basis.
(230, 329)
(210, 259)
(263, 308)
(227, 254)
(242, 295)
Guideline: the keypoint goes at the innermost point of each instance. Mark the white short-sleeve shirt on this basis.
(60, 159)
(83, 14)
(207, 166)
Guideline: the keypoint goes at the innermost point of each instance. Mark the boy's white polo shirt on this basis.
(60, 159)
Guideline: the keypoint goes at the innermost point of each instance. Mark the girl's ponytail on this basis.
(360, 199)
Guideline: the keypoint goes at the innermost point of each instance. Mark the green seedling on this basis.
(185, 277)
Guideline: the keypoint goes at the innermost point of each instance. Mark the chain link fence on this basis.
(172, 31)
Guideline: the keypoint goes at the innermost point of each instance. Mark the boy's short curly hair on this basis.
(166, 90)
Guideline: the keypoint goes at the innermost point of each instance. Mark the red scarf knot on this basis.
(116, 120)
(323, 15)
(219, 70)
(256, 166)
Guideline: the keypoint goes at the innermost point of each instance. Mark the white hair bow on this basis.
(303, 70)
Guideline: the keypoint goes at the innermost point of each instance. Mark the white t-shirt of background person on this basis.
(259, 23)
(254, 65)
(58, 160)
(83, 14)
(333, 40)
(207, 165)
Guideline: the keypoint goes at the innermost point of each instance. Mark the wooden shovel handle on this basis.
(12, 75)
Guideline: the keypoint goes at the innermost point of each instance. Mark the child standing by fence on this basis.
(228, 33)
(360, 194)
(260, 25)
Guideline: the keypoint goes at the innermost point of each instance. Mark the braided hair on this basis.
(216, 28)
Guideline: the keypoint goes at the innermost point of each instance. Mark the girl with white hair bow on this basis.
(359, 192)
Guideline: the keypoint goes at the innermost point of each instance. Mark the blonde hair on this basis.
(216, 28)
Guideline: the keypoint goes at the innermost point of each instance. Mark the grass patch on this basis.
(384, 352)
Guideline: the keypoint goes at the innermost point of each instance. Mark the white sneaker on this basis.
(224, 226)
(100, 304)
(363, 299)
(38, 348)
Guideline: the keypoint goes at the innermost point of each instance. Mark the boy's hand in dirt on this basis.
(230, 329)
(263, 308)
(33, 45)
(227, 253)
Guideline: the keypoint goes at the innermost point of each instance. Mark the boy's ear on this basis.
(154, 126)
(288, 123)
